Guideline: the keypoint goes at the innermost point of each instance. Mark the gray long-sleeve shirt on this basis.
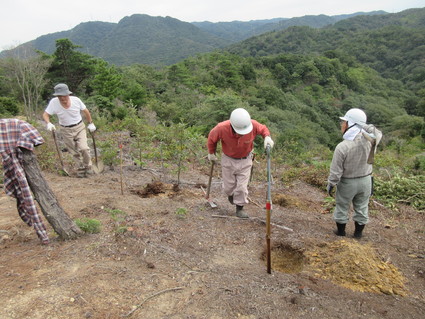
(350, 158)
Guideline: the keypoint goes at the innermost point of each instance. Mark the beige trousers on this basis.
(235, 175)
(75, 139)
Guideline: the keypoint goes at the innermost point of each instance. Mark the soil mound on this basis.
(357, 267)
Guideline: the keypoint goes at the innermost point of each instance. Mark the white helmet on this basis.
(355, 116)
(241, 121)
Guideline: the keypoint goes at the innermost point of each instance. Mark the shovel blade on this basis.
(212, 204)
(64, 172)
(98, 167)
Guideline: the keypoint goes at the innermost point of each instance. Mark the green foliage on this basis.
(119, 218)
(117, 214)
(398, 189)
(8, 106)
(87, 225)
(181, 213)
(392, 44)
(110, 150)
(71, 66)
(407, 126)
(46, 156)
(100, 106)
(106, 81)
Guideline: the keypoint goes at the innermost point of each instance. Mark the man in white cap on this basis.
(237, 140)
(351, 171)
(68, 110)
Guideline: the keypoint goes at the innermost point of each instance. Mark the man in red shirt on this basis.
(237, 140)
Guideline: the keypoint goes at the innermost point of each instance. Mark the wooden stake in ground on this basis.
(63, 225)
(268, 212)
(122, 188)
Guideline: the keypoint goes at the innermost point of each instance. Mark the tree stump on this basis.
(63, 225)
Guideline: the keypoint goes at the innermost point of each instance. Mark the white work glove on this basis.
(268, 141)
(91, 127)
(51, 127)
(212, 157)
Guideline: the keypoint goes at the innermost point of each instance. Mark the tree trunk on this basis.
(63, 225)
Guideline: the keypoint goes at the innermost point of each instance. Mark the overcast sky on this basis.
(25, 20)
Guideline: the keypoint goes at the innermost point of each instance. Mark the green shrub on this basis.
(87, 225)
(400, 189)
(8, 106)
(46, 157)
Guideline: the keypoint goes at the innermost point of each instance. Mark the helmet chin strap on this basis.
(348, 127)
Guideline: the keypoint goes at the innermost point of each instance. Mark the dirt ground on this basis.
(170, 255)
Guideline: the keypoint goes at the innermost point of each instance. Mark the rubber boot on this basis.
(240, 212)
(340, 229)
(230, 198)
(358, 230)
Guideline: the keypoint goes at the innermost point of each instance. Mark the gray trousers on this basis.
(354, 191)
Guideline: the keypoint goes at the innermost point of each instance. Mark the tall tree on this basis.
(71, 66)
(28, 71)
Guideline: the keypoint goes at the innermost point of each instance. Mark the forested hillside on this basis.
(134, 39)
(159, 41)
(392, 44)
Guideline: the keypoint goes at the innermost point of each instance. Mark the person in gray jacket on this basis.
(351, 170)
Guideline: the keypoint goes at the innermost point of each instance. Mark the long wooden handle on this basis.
(210, 179)
(371, 157)
(94, 146)
(57, 148)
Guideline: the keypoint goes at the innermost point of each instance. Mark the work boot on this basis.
(340, 229)
(240, 212)
(358, 230)
(81, 172)
(89, 171)
(230, 198)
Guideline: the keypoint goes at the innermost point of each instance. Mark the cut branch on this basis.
(254, 219)
(150, 297)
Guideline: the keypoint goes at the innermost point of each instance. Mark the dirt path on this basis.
(165, 256)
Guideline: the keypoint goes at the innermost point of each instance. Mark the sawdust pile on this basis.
(357, 267)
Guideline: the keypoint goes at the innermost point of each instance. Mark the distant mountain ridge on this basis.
(238, 30)
(144, 39)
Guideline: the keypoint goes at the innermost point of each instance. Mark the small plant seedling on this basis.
(87, 225)
(181, 213)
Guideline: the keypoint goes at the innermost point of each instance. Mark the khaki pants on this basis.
(75, 139)
(235, 174)
(356, 191)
